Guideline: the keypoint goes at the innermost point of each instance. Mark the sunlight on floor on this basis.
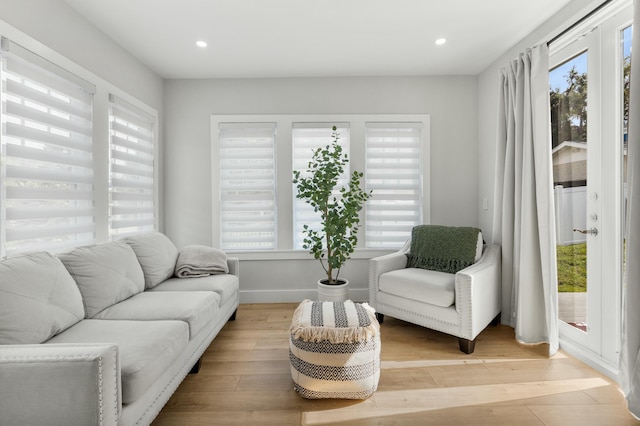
(448, 362)
(425, 400)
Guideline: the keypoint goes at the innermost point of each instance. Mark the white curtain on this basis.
(629, 375)
(524, 214)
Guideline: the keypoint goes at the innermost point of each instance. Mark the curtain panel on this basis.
(524, 222)
(629, 371)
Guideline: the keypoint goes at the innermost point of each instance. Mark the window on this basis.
(394, 174)
(306, 138)
(132, 200)
(258, 208)
(47, 187)
(247, 186)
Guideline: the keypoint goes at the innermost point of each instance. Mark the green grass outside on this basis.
(572, 268)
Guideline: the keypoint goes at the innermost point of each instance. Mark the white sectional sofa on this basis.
(104, 334)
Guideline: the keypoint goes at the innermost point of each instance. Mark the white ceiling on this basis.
(291, 38)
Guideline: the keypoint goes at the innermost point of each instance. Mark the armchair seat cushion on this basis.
(423, 285)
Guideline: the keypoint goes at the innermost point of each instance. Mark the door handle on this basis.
(592, 231)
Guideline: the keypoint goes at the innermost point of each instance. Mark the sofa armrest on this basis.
(479, 291)
(234, 266)
(70, 384)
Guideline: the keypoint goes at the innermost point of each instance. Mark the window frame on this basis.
(284, 185)
(100, 129)
(48, 131)
(148, 122)
(257, 135)
(385, 163)
(302, 210)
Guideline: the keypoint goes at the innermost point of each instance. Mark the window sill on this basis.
(300, 254)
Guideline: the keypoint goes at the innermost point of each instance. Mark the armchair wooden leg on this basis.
(196, 366)
(496, 320)
(380, 317)
(467, 346)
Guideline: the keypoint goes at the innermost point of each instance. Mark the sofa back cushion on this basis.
(157, 256)
(105, 273)
(38, 299)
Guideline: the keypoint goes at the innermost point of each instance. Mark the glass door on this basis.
(575, 149)
(588, 89)
(568, 95)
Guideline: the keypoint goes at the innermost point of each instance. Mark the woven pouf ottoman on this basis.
(334, 350)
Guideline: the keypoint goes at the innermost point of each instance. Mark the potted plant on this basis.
(339, 209)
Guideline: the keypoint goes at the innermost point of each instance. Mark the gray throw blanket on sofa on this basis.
(442, 248)
(200, 261)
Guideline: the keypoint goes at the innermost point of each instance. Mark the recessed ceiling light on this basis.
(201, 43)
(441, 41)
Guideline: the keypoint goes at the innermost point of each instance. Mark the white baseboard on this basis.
(590, 358)
(291, 296)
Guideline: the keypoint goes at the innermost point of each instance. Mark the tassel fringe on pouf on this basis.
(334, 350)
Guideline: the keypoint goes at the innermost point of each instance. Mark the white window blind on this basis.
(393, 173)
(47, 175)
(132, 194)
(306, 138)
(247, 186)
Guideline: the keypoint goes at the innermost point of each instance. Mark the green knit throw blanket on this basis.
(442, 248)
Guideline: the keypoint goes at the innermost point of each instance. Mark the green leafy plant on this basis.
(337, 238)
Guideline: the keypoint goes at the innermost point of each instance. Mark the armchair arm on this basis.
(381, 264)
(70, 384)
(234, 266)
(479, 291)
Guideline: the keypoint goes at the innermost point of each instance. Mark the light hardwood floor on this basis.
(424, 380)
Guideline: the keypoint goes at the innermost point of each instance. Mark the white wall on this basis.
(488, 86)
(450, 101)
(59, 27)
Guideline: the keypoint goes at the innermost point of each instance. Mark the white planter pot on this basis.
(334, 292)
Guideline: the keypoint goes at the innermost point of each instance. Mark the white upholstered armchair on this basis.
(461, 304)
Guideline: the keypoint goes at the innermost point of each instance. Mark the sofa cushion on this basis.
(225, 285)
(196, 308)
(157, 256)
(434, 287)
(106, 274)
(38, 299)
(147, 348)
